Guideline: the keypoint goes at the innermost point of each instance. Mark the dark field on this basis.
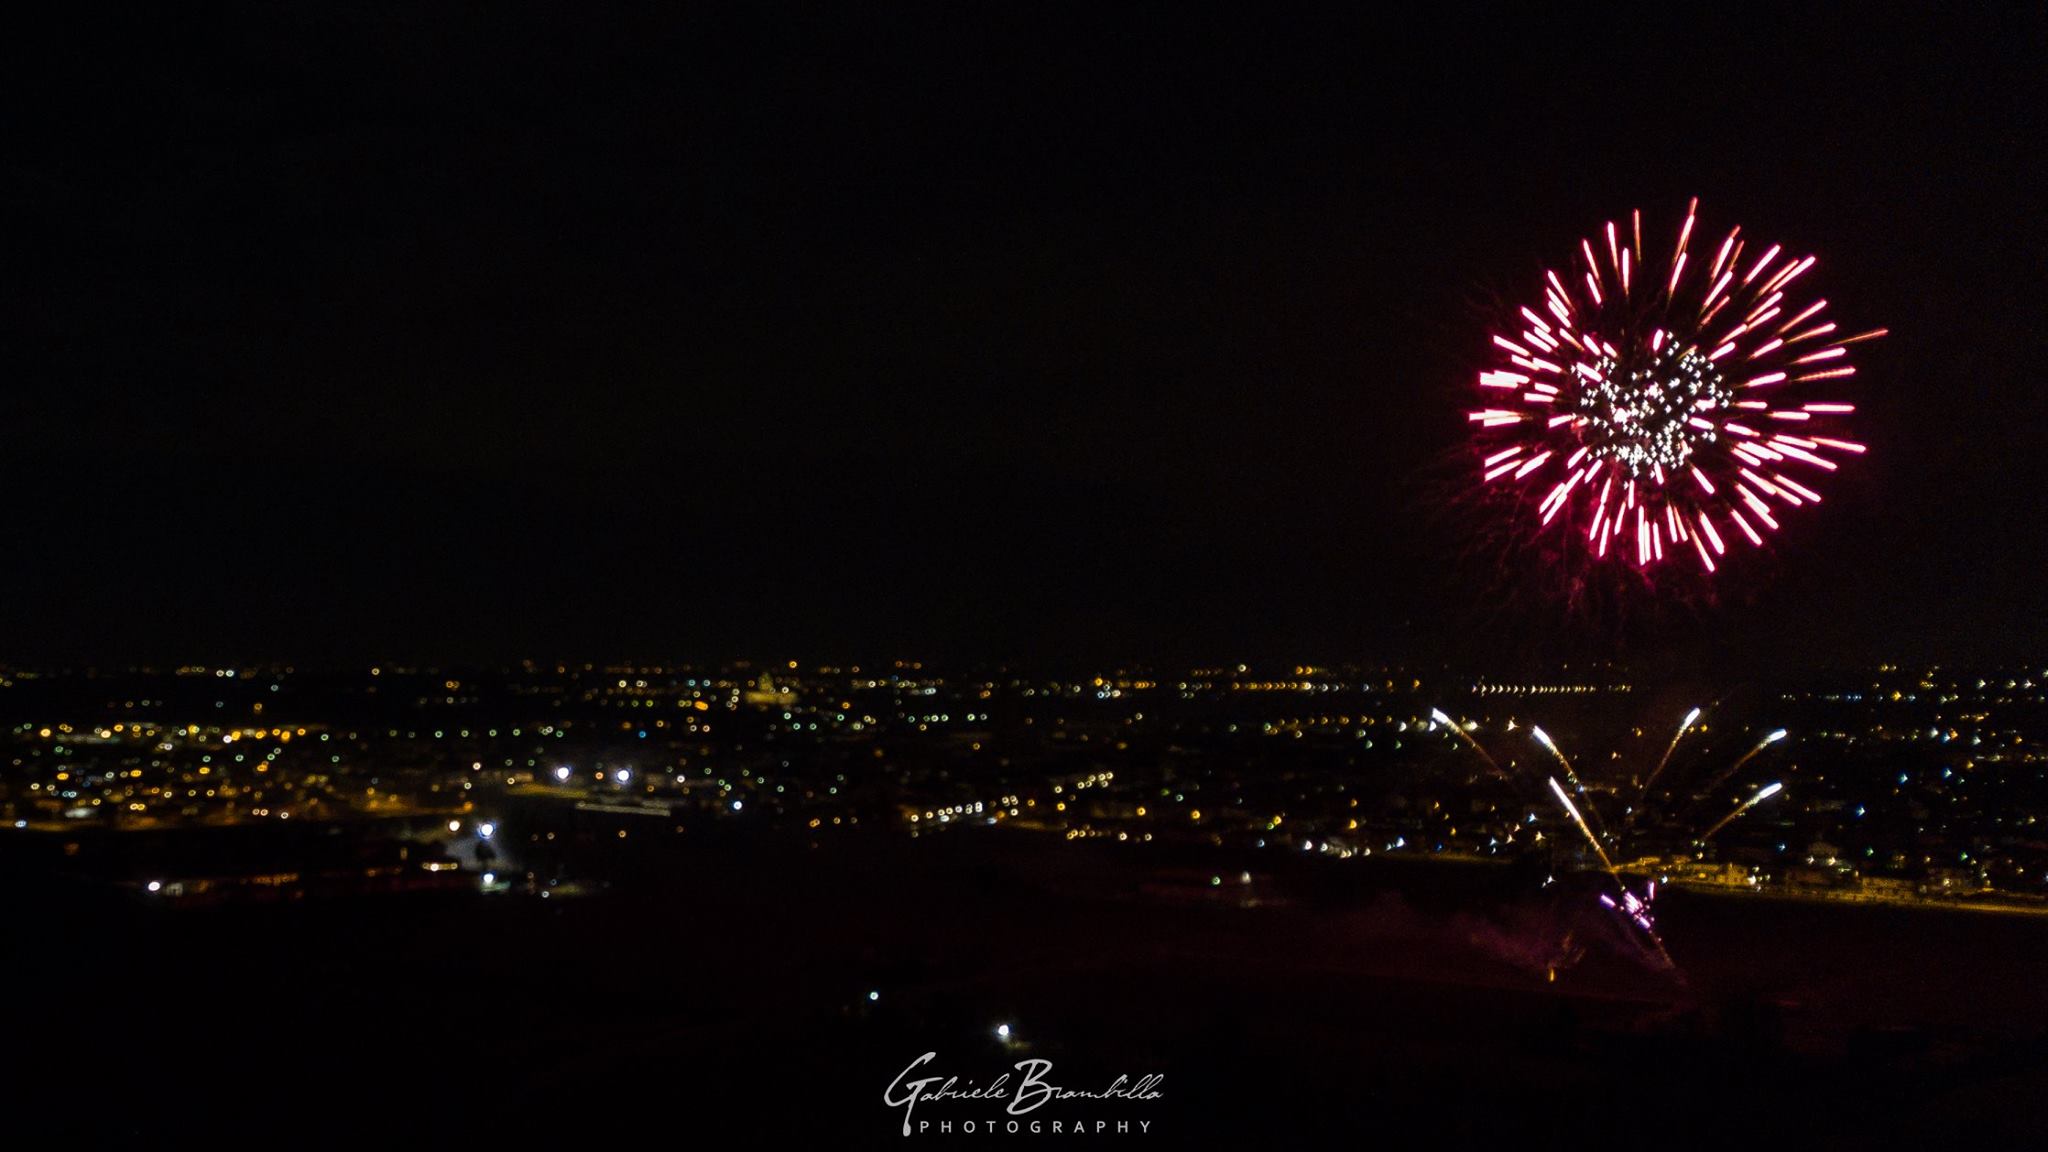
(724, 991)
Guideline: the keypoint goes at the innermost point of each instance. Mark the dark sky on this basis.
(473, 331)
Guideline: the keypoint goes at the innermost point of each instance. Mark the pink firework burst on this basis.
(1668, 410)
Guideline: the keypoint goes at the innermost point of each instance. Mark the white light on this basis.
(1003, 1031)
(622, 775)
(490, 877)
(1439, 717)
(1774, 737)
(487, 830)
(1769, 792)
(874, 996)
(562, 774)
(156, 885)
(455, 825)
(736, 805)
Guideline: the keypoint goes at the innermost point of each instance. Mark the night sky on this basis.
(474, 331)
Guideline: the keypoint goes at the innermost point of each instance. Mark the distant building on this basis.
(764, 694)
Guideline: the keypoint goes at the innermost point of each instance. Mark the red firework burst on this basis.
(1667, 410)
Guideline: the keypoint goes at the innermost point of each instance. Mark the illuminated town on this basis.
(829, 863)
(1899, 785)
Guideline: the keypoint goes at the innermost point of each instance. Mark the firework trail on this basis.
(1732, 769)
(1683, 726)
(1625, 900)
(1544, 739)
(1676, 405)
(1438, 716)
(1573, 810)
(1768, 791)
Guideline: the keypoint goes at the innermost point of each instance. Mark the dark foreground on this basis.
(725, 991)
